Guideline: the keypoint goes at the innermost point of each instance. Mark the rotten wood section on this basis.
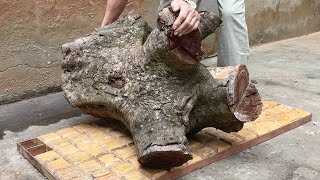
(105, 150)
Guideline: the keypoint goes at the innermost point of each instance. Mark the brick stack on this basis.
(95, 151)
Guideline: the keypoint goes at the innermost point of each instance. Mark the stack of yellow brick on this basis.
(91, 151)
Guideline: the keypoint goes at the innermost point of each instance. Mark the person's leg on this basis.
(233, 40)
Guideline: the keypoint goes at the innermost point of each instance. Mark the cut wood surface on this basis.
(105, 149)
(154, 84)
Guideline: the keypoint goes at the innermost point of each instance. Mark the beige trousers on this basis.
(233, 43)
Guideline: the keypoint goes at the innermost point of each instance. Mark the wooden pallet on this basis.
(106, 150)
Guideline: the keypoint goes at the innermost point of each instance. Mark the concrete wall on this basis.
(31, 33)
(273, 20)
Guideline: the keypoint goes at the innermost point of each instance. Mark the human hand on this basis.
(188, 19)
(105, 22)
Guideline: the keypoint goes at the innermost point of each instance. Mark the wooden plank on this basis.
(235, 149)
(30, 143)
(25, 152)
(37, 149)
(103, 150)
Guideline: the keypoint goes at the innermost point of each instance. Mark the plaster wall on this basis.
(31, 33)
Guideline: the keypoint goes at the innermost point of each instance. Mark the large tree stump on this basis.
(153, 83)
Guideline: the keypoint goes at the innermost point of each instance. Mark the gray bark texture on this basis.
(153, 82)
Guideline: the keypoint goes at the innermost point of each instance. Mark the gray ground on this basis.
(287, 72)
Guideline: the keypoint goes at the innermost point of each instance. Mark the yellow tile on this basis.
(263, 116)
(134, 162)
(49, 137)
(113, 144)
(67, 132)
(195, 158)
(118, 133)
(126, 152)
(122, 168)
(265, 126)
(47, 157)
(194, 145)
(248, 124)
(78, 157)
(100, 137)
(126, 140)
(259, 130)
(89, 166)
(246, 134)
(106, 128)
(85, 144)
(233, 140)
(85, 128)
(103, 174)
(101, 141)
(213, 132)
(80, 178)
(57, 143)
(109, 160)
(69, 173)
(289, 117)
(270, 125)
(108, 177)
(75, 137)
(205, 152)
(135, 175)
(225, 136)
(205, 136)
(66, 150)
(218, 145)
(57, 164)
(94, 134)
(268, 104)
(96, 150)
(278, 110)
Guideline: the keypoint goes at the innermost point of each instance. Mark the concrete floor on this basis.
(287, 72)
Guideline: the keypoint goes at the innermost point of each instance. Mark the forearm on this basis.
(113, 11)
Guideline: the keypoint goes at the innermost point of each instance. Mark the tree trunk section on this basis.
(154, 84)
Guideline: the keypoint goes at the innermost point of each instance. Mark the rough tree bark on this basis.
(153, 83)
